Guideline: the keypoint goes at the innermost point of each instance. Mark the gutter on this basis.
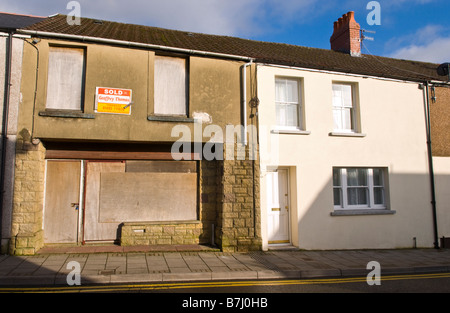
(430, 164)
(133, 44)
(5, 116)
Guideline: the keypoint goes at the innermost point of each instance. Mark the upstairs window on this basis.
(170, 86)
(65, 78)
(288, 103)
(344, 108)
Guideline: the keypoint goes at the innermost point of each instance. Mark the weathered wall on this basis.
(27, 234)
(214, 91)
(14, 99)
(214, 95)
(440, 122)
(239, 214)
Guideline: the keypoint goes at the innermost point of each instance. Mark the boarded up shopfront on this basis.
(90, 200)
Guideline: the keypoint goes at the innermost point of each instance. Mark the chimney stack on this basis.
(347, 35)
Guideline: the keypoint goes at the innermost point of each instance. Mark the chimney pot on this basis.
(346, 35)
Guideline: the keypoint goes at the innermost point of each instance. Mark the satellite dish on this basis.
(444, 69)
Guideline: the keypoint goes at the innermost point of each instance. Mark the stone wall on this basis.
(239, 216)
(28, 200)
(157, 233)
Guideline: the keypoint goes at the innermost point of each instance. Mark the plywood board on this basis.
(135, 197)
(161, 166)
(94, 229)
(62, 190)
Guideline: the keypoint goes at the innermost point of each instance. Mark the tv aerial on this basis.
(365, 37)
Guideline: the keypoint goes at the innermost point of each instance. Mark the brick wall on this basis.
(440, 122)
(346, 36)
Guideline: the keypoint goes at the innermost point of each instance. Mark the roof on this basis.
(262, 52)
(9, 21)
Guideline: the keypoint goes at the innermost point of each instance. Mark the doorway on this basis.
(62, 198)
(278, 205)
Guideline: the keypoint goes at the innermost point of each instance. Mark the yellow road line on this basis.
(186, 285)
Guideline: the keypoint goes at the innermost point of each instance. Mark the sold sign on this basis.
(113, 100)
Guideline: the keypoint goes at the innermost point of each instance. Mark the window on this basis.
(344, 108)
(170, 86)
(288, 103)
(359, 188)
(65, 79)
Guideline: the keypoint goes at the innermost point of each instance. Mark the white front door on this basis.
(278, 206)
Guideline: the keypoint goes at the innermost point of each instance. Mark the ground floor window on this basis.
(359, 188)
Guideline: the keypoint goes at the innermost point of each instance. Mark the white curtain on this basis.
(342, 107)
(287, 102)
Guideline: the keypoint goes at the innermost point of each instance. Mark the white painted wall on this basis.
(14, 100)
(442, 182)
(392, 118)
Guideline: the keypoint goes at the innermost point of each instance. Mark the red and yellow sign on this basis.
(113, 100)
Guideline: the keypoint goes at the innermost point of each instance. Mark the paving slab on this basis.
(148, 266)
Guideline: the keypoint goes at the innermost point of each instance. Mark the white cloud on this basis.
(429, 44)
(436, 51)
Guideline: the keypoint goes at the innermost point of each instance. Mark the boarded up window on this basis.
(170, 86)
(149, 191)
(65, 78)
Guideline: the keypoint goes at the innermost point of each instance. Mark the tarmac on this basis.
(118, 265)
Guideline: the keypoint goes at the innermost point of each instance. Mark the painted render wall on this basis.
(16, 75)
(440, 137)
(214, 91)
(393, 121)
(442, 180)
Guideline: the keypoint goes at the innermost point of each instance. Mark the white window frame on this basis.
(370, 186)
(299, 104)
(353, 110)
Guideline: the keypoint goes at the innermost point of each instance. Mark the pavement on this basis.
(115, 265)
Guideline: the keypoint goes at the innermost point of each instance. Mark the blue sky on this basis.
(410, 29)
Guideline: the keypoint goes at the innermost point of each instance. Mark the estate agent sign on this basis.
(113, 100)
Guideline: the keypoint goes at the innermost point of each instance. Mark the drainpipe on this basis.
(244, 102)
(8, 62)
(430, 164)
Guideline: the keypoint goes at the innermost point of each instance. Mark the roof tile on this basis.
(263, 52)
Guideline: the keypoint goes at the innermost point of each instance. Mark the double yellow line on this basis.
(189, 285)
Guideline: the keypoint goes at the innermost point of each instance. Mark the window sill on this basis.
(362, 212)
(342, 134)
(177, 119)
(290, 132)
(66, 114)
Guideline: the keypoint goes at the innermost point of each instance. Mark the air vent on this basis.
(445, 243)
